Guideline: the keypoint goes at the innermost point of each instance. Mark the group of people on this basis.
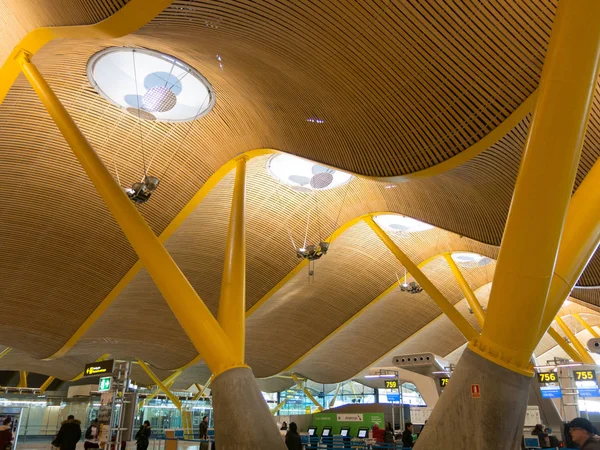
(389, 436)
(69, 435)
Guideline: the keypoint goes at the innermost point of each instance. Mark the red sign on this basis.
(475, 391)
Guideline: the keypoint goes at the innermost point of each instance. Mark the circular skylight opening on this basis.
(303, 175)
(150, 85)
(401, 224)
(470, 259)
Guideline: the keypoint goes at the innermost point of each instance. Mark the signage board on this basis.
(475, 391)
(391, 384)
(393, 397)
(586, 382)
(105, 384)
(99, 368)
(444, 382)
(549, 386)
(349, 417)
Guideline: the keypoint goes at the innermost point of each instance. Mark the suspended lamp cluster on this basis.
(411, 288)
(309, 178)
(151, 86)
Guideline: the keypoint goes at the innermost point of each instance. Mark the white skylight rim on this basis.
(303, 175)
(395, 223)
(115, 77)
(470, 259)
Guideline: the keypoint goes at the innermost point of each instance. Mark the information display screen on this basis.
(586, 382)
(362, 433)
(444, 382)
(391, 384)
(549, 385)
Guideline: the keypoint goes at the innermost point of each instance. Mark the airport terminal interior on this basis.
(302, 225)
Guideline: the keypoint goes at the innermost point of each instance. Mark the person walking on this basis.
(583, 434)
(293, 441)
(6, 435)
(69, 434)
(142, 437)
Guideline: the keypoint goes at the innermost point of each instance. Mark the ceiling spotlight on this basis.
(313, 252)
(412, 288)
(140, 192)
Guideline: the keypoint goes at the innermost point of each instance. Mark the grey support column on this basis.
(243, 420)
(493, 421)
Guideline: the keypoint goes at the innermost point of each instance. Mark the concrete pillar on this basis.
(242, 417)
(494, 421)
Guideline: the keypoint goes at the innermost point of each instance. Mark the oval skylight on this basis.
(470, 259)
(150, 84)
(303, 175)
(401, 224)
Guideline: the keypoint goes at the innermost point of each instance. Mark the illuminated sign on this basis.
(547, 377)
(99, 368)
(586, 382)
(105, 384)
(444, 381)
(549, 385)
(391, 384)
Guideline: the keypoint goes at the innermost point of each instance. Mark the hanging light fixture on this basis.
(411, 288)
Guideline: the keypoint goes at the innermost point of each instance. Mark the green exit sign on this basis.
(105, 384)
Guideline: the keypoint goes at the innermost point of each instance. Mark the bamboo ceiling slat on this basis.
(392, 321)
(64, 369)
(590, 296)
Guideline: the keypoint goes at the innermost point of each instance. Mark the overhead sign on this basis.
(475, 391)
(349, 417)
(586, 382)
(99, 368)
(549, 386)
(391, 384)
(105, 384)
(393, 397)
(444, 381)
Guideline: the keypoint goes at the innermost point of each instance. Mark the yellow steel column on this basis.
(22, 379)
(4, 352)
(337, 390)
(201, 392)
(576, 343)
(578, 243)
(191, 312)
(46, 384)
(459, 321)
(160, 385)
(543, 189)
(279, 406)
(466, 289)
(575, 356)
(300, 384)
(232, 304)
(586, 325)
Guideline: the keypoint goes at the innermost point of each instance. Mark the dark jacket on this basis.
(388, 436)
(69, 434)
(143, 437)
(6, 436)
(293, 441)
(593, 443)
(203, 430)
(407, 439)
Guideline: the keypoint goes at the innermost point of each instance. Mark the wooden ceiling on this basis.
(402, 86)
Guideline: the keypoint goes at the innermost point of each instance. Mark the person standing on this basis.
(142, 437)
(6, 435)
(388, 437)
(407, 435)
(91, 435)
(284, 426)
(542, 436)
(203, 435)
(69, 434)
(583, 434)
(293, 441)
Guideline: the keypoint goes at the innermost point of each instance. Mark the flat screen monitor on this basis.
(531, 442)
(326, 432)
(345, 431)
(362, 433)
(312, 431)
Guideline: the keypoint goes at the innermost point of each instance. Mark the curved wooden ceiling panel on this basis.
(388, 323)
